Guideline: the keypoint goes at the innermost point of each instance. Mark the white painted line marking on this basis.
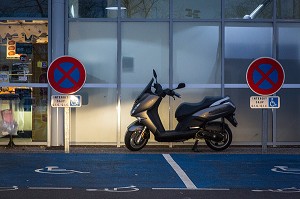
(13, 188)
(182, 175)
(51, 188)
(197, 189)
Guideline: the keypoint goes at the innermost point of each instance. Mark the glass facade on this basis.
(28, 8)
(23, 72)
(191, 41)
(206, 44)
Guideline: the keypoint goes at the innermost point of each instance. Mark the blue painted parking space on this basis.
(241, 171)
(86, 171)
(175, 171)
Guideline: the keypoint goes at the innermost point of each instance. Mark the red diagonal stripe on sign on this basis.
(265, 76)
(67, 75)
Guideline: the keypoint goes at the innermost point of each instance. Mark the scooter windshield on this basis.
(147, 89)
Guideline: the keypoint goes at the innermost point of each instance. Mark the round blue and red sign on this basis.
(66, 75)
(265, 76)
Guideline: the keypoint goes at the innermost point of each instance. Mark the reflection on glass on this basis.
(242, 46)
(96, 120)
(39, 114)
(288, 51)
(28, 8)
(245, 9)
(88, 8)
(150, 9)
(145, 46)
(287, 116)
(197, 60)
(24, 113)
(288, 9)
(197, 9)
(95, 45)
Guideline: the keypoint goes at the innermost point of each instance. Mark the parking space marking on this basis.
(50, 188)
(181, 174)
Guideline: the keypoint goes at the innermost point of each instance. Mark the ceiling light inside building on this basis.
(114, 6)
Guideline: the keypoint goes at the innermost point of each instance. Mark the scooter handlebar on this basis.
(177, 94)
(171, 93)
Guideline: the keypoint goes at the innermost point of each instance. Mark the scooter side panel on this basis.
(145, 103)
(212, 113)
(145, 120)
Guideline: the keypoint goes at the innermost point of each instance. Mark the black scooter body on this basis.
(195, 120)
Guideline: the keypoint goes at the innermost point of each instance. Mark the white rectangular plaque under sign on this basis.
(66, 100)
(264, 102)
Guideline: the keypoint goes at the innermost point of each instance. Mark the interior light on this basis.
(72, 11)
(114, 6)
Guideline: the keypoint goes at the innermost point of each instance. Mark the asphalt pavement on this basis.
(154, 172)
(151, 149)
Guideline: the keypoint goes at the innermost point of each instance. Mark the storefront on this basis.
(23, 72)
(206, 44)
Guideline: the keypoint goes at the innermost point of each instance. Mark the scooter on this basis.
(203, 120)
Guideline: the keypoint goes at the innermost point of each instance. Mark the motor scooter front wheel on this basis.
(221, 145)
(135, 140)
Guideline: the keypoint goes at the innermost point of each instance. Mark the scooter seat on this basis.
(185, 108)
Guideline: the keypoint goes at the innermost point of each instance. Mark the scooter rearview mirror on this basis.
(180, 85)
(154, 74)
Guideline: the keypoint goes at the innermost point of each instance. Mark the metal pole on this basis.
(67, 129)
(264, 137)
(58, 49)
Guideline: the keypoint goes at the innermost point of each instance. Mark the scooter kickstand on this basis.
(195, 147)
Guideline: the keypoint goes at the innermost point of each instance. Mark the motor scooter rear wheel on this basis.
(221, 145)
(134, 141)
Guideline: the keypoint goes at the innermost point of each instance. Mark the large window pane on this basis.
(145, 46)
(197, 60)
(22, 8)
(255, 9)
(96, 120)
(88, 9)
(289, 57)
(23, 113)
(197, 9)
(150, 9)
(288, 51)
(30, 38)
(39, 113)
(288, 129)
(288, 9)
(95, 45)
(242, 46)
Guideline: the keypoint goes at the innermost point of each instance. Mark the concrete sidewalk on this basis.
(152, 149)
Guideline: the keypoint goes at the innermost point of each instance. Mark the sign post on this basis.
(265, 76)
(66, 75)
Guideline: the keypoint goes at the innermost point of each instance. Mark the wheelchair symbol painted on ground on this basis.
(286, 169)
(284, 190)
(117, 189)
(56, 170)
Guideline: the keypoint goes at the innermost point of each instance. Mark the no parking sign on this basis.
(66, 75)
(265, 76)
